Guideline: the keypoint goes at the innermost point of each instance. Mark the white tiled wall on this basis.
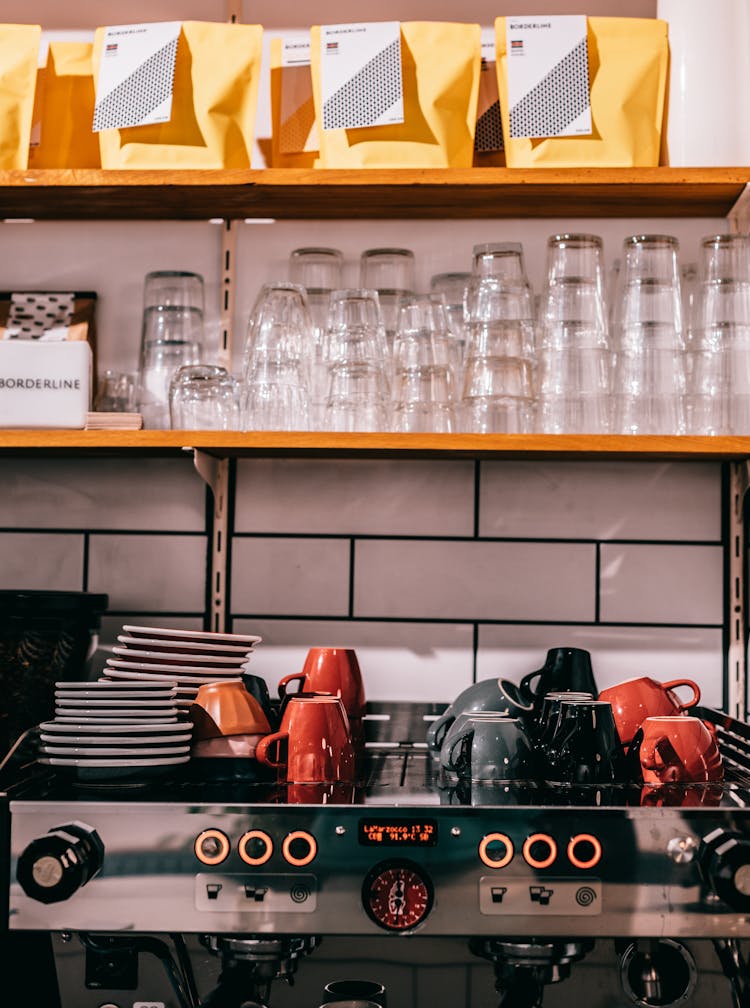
(437, 572)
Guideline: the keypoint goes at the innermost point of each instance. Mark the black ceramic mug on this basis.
(565, 669)
(585, 747)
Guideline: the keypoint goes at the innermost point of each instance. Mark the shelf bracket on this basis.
(739, 215)
(737, 607)
(215, 473)
(226, 321)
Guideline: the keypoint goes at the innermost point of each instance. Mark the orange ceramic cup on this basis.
(636, 699)
(312, 744)
(332, 670)
(677, 749)
(226, 708)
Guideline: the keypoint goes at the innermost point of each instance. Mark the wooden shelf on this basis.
(88, 194)
(328, 445)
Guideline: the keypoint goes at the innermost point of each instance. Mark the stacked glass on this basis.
(573, 357)
(649, 383)
(357, 363)
(320, 272)
(498, 382)
(278, 357)
(172, 335)
(719, 390)
(203, 397)
(454, 287)
(391, 272)
(423, 378)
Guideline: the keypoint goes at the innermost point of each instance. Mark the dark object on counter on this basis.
(256, 687)
(565, 668)
(45, 637)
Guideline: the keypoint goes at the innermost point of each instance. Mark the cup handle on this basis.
(524, 685)
(438, 728)
(685, 682)
(457, 751)
(262, 753)
(293, 677)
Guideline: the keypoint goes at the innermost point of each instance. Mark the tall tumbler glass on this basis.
(719, 387)
(320, 271)
(392, 273)
(204, 397)
(498, 386)
(357, 363)
(574, 357)
(649, 382)
(423, 366)
(278, 360)
(172, 336)
(454, 287)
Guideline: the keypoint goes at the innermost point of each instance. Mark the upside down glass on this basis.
(423, 366)
(574, 356)
(204, 397)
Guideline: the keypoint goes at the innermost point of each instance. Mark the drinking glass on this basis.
(203, 397)
(454, 287)
(392, 273)
(719, 388)
(649, 380)
(574, 357)
(172, 335)
(319, 271)
(278, 360)
(423, 366)
(498, 381)
(116, 392)
(357, 363)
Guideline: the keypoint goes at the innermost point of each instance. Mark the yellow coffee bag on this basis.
(19, 55)
(65, 109)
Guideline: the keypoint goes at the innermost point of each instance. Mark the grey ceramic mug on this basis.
(484, 695)
(488, 746)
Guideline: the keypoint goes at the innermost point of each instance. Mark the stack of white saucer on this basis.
(185, 659)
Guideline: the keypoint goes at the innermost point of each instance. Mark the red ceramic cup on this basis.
(331, 670)
(677, 749)
(636, 699)
(312, 744)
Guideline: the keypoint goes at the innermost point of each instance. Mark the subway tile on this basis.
(399, 661)
(41, 561)
(617, 653)
(102, 493)
(474, 580)
(601, 500)
(290, 577)
(353, 496)
(149, 572)
(661, 584)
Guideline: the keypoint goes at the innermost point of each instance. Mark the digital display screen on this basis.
(398, 832)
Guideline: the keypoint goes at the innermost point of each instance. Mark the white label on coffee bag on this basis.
(297, 129)
(489, 129)
(548, 76)
(360, 75)
(136, 75)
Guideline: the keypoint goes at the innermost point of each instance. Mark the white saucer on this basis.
(113, 728)
(100, 752)
(112, 703)
(138, 655)
(116, 770)
(98, 686)
(125, 692)
(123, 716)
(176, 646)
(85, 739)
(197, 635)
(196, 670)
(165, 677)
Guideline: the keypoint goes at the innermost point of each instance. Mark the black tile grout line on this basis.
(154, 614)
(727, 601)
(41, 530)
(462, 621)
(350, 606)
(474, 651)
(231, 498)
(597, 583)
(85, 571)
(571, 540)
(477, 492)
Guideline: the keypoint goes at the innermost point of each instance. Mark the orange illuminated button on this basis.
(539, 850)
(584, 851)
(496, 850)
(255, 847)
(299, 848)
(211, 847)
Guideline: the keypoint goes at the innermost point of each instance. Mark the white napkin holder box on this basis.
(44, 384)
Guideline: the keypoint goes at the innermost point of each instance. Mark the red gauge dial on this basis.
(397, 895)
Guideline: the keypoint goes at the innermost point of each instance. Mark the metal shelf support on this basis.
(215, 473)
(737, 607)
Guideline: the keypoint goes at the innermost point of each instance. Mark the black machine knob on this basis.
(724, 858)
(55, 866)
